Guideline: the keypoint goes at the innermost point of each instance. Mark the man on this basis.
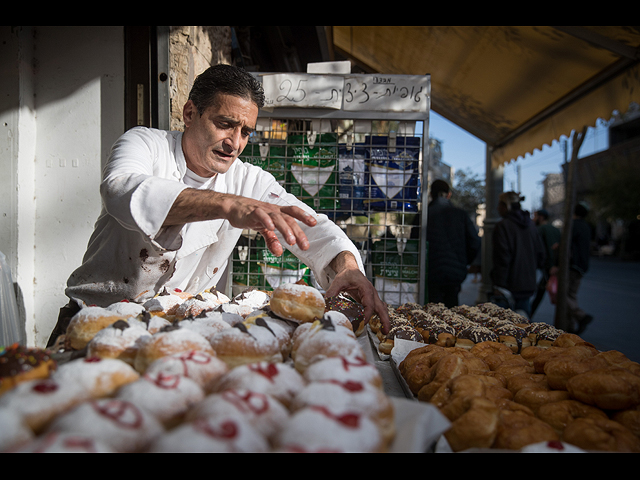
(175, 204)
(517, 252)
(453, 244)
(578, 267)
(551, 239)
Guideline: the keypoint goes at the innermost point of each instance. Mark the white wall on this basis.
(63, 111)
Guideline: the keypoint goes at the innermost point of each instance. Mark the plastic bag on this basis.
(10, 331)
(552, 288)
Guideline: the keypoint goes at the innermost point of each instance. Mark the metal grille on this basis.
(366, 176)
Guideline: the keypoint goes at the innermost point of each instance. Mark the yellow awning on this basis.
(517, 88)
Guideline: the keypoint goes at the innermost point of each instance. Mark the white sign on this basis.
(301, 90)
(388, 93)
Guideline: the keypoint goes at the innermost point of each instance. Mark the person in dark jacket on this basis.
(578, 266)
(518, 252)
(453, 244)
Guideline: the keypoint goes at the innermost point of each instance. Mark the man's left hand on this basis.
(350, 279)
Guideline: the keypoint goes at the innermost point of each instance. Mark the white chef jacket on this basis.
(131, 256)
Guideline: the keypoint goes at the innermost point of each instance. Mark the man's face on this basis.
(212, 141)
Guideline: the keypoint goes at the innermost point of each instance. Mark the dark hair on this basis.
(543, 213)
(225, 79)
(439, 187)
(581, 211)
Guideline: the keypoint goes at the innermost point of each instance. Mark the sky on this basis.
(463, 151)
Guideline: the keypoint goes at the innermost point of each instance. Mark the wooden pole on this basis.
(564, 253)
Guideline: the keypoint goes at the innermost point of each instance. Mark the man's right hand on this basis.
(245, 213)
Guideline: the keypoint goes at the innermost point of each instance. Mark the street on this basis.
(610, 291)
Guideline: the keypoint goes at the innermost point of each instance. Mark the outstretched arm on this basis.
(199, 205)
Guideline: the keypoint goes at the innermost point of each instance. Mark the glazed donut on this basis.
(497, 360)
(166, 396)
(20, 364)
(121, 425)
(536, 396)
(317, 429)
(86, 323)
(344, 369)
(246, 343)
(609, 388)
(629, 418)
(523, 380)
(601, 434)
(203, 368)
(120, 340)
(212, 434)
(560, 369)
(565, 340)
(99, 376)
(531, 352)
(36, 402)
(458, 391)
(560, 414)
(300, 303)
(446, 368)
(511, 369)
(477, 427)
(279, 380)
(490, 347)
(517, 429)
(170, 340)
(264, 412)
(571, 353)
(348, 307)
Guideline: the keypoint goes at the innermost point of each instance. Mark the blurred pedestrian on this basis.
(518, 253)
(578, 267)
(551, 239)
(453, 244)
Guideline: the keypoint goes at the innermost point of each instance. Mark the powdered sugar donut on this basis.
(167, 341)
(322, 342)
(63, 442)
(100, 376)
(246, 343)
(201, 367)
(37, 402)
(318, 429)
(207, 326)
(253, 298)
(281, 329)
(264, 412)
(151, 323)
(165, 303)
(126, 309)
(352, 396)
(279, 380)
(300, 303)
(212, 435)
(343, 369)
(86, 323)
(121, 425)
(202, 302)
(120, 340)
(13, 430)
(167, 396)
